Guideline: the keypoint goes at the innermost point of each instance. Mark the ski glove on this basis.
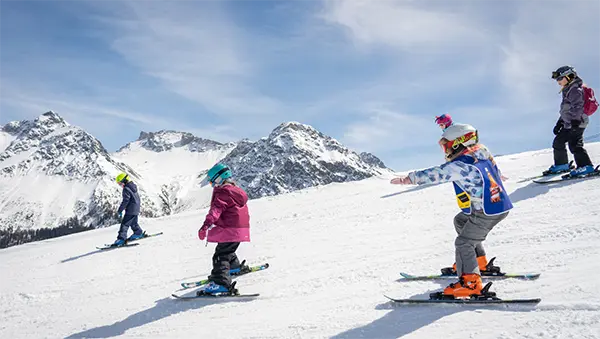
(202, 233)
(401, 181)
(120, 215)
(559, 126)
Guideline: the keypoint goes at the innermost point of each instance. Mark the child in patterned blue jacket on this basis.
(481, 197)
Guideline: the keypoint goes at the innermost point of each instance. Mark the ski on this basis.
(245, 270)
(212, 296)
(555, 179)
(111, 247)
(547, 174)
(490, 301)
(524, 276)
(146, 236)
(233, 293)
(484, 298)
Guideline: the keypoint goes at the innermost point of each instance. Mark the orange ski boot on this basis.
(467, 285)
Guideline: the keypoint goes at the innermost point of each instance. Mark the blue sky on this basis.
(372, 74)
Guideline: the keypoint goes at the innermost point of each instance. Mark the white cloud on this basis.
(104, 119)
(407, 25)
(543, 38)
(501, 62)
(195, 51)
(382, 129)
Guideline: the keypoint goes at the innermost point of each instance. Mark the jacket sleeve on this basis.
(450, 171)
(574, 110)
(125, 202)
(218, 204)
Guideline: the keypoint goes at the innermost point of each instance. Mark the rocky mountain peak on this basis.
(165, 140)
(296, 156)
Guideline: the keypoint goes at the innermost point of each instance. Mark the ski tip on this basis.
(531, 276)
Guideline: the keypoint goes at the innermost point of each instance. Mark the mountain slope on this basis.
(334, 250)
(297, 156)
(56, 176)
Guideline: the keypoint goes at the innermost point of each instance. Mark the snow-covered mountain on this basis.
(56, 176)
(169, 164)
(297, 156)
(334, 251)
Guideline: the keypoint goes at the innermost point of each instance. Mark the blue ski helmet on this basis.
(218, 173)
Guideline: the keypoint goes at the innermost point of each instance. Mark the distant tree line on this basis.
(11, 236)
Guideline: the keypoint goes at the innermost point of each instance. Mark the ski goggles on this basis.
(558, 76)
(448, 146)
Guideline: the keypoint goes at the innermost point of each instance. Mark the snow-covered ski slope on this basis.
(334, 251)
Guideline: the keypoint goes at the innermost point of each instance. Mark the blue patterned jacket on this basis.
(477, 181)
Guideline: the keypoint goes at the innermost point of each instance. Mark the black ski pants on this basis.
(574, 137)
(224, 259)
(129, 221)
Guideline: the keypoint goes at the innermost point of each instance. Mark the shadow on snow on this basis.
(163, 308)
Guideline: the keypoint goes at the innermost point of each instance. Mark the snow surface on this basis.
(334, 251)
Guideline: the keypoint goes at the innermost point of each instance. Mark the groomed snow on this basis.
(334, 251)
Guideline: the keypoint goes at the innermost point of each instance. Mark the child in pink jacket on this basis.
(230, 221)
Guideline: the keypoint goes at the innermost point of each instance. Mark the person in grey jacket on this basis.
(131, 207)
(570, 125)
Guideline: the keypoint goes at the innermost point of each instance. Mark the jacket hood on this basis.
(131, 186)
(238, 195)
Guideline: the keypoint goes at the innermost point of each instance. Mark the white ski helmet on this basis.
(456, 139)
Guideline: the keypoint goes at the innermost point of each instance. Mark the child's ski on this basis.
(547, 174)
(112, 246)
(146, 236)
(525, 276)
(233, 293)
(212, 296)
(243, 271)
(565, 177)
(486, 297)
(466, 301)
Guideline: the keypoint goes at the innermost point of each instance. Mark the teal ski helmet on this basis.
(217, 174)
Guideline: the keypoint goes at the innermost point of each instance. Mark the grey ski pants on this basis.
(472, 231)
